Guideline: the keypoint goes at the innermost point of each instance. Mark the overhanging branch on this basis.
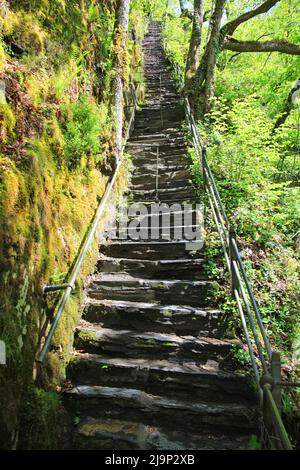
(263, 46)
(230, 27)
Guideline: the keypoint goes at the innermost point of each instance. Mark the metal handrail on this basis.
(267, 375)
(268, 381)
(69, 286)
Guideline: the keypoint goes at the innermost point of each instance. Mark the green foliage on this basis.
(254, 443)
(241, 356)
(81, 131)
(256, 168)
(39, 420)
(7, 122)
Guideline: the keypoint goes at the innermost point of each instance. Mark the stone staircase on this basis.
(152, 366)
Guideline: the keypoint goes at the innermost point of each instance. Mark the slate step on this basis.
(152, 168)
(142, 316)
(184, 269)
(186, 192)
(165, 233)
(107, 434)
(126, 287)
(206, 383)
(152, 250)
(165, 178)
(137, 405)
(93, 338)
(160, 183)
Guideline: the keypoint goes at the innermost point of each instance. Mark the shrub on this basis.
(81, 131)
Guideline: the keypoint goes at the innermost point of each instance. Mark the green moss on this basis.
(7, 122)
(86, 336)
(39, 419)
(23, 29)
(57, 137)
(2, 56)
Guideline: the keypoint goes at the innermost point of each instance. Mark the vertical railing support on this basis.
(276, 374)
(204, 169)
(268, 439)
(232, 255)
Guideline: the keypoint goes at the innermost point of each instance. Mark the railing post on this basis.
(232, 255)
(276, 374)
(267, 421)
(204, 168)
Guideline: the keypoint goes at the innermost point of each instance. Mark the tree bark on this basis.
(204, 78)
(119, 54)
(195, 43)
(264, 46)
(289, 105)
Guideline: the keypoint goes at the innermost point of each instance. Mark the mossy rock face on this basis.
(51, 110)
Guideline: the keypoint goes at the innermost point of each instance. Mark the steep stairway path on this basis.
(152, 365)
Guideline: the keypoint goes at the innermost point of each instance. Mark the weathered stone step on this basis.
(169, 134)
(137, 405)
(141, 316)
(164, 233)
(117, 286)
(207, 383)
(165, 216)
(166, 193)
(93, 338)
(158, 140)
(107, 434)
(150, 168)
(141, 145)
(165, 177)
(185, 269)
(170, 112)
(148, 156)
(155, 124)
(152, 250)
(161, 182)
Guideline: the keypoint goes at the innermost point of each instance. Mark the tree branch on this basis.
(185, 11)
(256, 46)
(230, 27)
(189, 14)
(289, 105)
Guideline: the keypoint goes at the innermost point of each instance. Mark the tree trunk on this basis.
(195, 43)
(120, 44)
(204, 78)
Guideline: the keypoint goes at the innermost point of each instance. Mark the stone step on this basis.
(152, 168)
(185, 269)
(107, 434)
(160, 182)
(168, 133)
(168, 149)
(207, 383)
(137, 405)
(93, 338)
(174, 195)
(165, 233)
(165, 177)
(117, 286)
(152, 250)
(142, 316)
(175, 110)
(155, 124)
(148, 154)
(165, 216)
